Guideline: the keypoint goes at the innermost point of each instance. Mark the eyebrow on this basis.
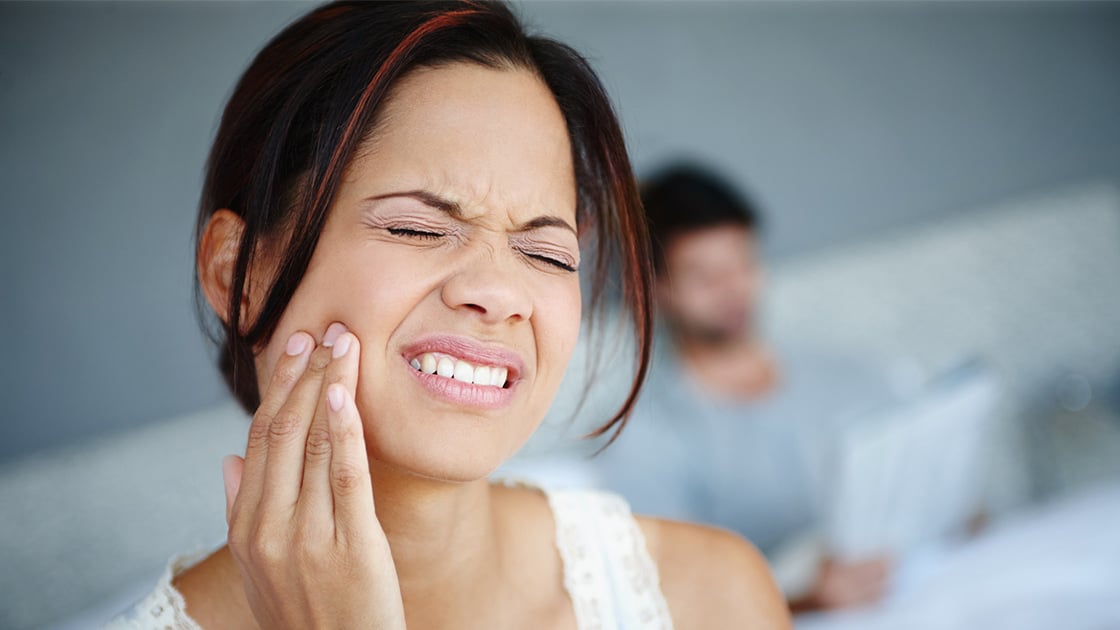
(456, 211)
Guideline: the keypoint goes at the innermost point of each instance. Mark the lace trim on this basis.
(163, 608)
(584, 578)
(641, 572)
(608, 572)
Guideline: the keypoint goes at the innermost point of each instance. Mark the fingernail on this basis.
(341, 345)
(335, 397)
(333, 331)
(297, 343)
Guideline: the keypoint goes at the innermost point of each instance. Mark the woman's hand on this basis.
(302, 526)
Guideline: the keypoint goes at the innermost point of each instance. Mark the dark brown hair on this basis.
(683, 198)
(310, 98)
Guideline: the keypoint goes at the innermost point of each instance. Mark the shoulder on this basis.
(196, 591)
(212, 593)
(713, 578)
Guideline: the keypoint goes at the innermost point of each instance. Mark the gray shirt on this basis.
(752, 467)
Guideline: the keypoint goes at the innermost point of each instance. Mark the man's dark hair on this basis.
(684, 198)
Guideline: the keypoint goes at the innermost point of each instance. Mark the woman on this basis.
(390, 234)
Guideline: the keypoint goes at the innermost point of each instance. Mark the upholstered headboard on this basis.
(1032, 286)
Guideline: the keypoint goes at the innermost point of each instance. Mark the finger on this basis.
(351, 487)
(289, 368)
(287, 439)
(315, 497)
(232, 467)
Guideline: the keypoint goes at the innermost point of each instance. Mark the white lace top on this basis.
(608, 572)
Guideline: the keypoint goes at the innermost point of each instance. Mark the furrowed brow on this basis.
(455, 211)
(428, 199)
(547, 221)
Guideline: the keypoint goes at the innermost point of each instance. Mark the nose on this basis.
(489, 286)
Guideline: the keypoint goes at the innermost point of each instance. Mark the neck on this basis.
(443, 538)
(739, 367)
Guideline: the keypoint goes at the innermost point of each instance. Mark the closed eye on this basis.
(412, 233)
(548, 260)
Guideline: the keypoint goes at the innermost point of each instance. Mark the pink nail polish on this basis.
(333, 331)
(297, 343)
(341, 346)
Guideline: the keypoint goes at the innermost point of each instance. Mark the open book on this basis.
(913, 472)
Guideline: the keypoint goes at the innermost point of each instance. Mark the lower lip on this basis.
(464, 394)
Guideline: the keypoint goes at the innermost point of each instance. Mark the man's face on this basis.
(710, 283)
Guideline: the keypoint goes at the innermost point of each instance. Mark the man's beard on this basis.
(709, 334)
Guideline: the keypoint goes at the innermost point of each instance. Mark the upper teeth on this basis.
(460, 370)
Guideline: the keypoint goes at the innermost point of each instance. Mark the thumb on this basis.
(232, 466)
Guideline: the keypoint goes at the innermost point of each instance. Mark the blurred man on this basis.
(730, 431)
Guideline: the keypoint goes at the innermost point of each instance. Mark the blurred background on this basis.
(940, 187)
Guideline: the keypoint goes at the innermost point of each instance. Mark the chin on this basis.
(444, 445)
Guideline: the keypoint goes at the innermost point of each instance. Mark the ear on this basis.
(217, 257)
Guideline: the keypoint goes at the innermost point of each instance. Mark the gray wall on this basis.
(848, 119)
(844, 120)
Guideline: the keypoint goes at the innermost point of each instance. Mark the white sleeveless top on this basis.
(608, 572)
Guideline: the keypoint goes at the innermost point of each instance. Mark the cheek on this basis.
(557, 328)
(337, 288)
(691, 296)
(320, 300)
(353, 284)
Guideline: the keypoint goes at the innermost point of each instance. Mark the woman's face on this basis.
(451, 246)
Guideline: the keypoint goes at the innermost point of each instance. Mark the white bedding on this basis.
(1055, 566)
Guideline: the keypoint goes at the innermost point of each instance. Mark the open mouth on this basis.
(447, 366)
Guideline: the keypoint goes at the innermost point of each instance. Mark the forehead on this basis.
(716, 245)
(491, 140)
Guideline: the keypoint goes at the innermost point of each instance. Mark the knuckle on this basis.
(284, 426)
(287, 375)
(266, 550)
(346, 478)
(258, 431)
(318, 443)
